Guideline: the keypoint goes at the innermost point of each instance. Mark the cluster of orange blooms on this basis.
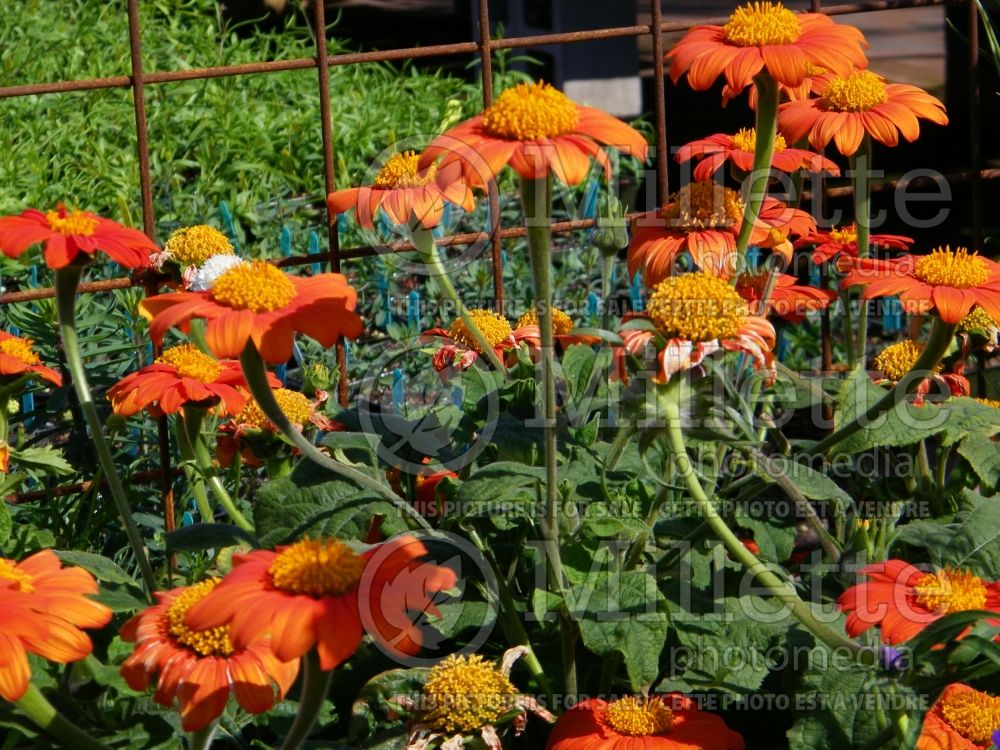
(244, 634)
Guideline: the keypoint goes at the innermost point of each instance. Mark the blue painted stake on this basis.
(636, 292)
(33, 276)
(782, 345)
(593, 305)
(228, 224)
(347, 352)
(397, 391)
(614, 275)
(892, 315)
(314, 250)
(456, 396)
(815, 279)
(382, 285)
(753, 256)
(588, 208)
(342, 223)
(413, 309)
(285, 242)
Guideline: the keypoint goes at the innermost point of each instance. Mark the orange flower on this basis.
(257, 302)
(307, 595)
(42, 608)
(764, 36)
(814, 75)
(904, 600)
(181, 375)
(738, 149)
(857, 103)
(950, 281)
(535, 129)
(694, 316)
(18, 358)
(200, 668)
(405, 191)
(526, 331)
(660, 722)
(788, 299)
(254, 435)
(69, 234)
(703, 220)
(963, 718)
(830, 244)
(462, 346)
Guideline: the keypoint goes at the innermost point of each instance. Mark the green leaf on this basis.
(624, 613)
(983, 456)
(6, 523)
(45, 459)
(205, 536)
(101, 567)
(375, 718)
(499, 481)
(972, 541)
(834, 709)
(285, 511)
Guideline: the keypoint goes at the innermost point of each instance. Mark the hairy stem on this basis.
(194, 476)
(937, 345)
(768, 579)
(67, 280)
(423, 240)
(255, 373)
(36, 707)
(766, 130)
(861, 165)
(315, 685)
(536, 199)
(193, 420)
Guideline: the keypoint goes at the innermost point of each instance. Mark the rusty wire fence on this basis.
(484, 48)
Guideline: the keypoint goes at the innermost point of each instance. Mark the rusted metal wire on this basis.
(484, 46)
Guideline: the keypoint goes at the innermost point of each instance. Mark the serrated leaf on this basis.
(102, 568)
(46, 459)
(983, 456)
(624, 613)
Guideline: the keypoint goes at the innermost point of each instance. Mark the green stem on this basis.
(67, 280)
(193, 419)
(202, 739)
(852, 356)
(194, 476)
(315, 686)
(255, 373)
(861, 164)
(607, 266)
(766, 130)
(937, 345)
(36, 707)
(423, 240)
(777, 587)
(536, 200)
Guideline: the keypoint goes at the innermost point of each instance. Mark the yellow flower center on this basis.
(562, 323)
(211, 642)
(19, 349)
(814, 70)
(757, 24)
(844, 235)
(696, 307)
(973, 715)
(746, 140)
(464, 693)
(639, 717)
(317, 567)
(857, 92)
(9, 572)
(191, 362)
(493, 326)
(898, 359)
(704, 205)
(293, 404)
(257, 286)
(79, 223)
(401, 172)
(989, 402)
(192, 246)
(959, 268)
(948, 591)
(530, 111)
(977, 319)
